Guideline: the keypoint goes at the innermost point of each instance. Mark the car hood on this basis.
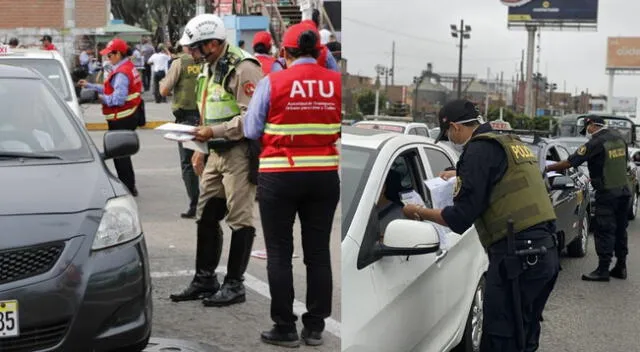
(37, 188)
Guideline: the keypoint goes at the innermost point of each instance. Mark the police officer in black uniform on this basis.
(606, 155)
(498, 180)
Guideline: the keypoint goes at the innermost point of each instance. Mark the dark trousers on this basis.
(146, 77)
(535, 286)
(124, 167)
(191, 182)
(313, 196)
(611, 221)
(157, 77)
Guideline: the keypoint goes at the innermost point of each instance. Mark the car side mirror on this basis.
(408, 237)
(120, 144)
(562, 182)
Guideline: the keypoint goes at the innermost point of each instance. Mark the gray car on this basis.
(74, 269)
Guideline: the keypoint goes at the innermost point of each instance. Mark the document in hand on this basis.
(182, 133)
(441, 196)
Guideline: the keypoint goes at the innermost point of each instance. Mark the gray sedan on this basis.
(74, 269)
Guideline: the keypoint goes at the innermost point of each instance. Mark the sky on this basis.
(421, 31)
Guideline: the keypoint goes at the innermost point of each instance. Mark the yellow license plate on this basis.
(9, 319)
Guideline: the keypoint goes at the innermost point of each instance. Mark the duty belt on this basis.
(523, 246)
(221, 147)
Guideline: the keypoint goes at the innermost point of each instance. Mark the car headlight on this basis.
(120, 223)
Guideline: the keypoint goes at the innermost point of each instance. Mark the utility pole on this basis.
(531, 38)
(199, 7)
(393, 62)
(463, 33)
(486, 101)
(386, 79)
(379, 71)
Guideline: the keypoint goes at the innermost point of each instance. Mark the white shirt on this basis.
(160, 62)
(325, 35)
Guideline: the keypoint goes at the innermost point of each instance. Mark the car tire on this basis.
(633, 209)
(578, 247)
(473, 329)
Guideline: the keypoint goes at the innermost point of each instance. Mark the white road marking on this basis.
(332, 326)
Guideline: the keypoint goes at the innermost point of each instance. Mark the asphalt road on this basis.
(171, 244)
(586, 316)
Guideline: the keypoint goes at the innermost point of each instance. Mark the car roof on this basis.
(11, 71)
(32, 54)
(389, 123)
(373, 139)
(571, 139)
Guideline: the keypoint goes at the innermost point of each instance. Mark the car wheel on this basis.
(578, 247)
(473, 329)
(633, 209)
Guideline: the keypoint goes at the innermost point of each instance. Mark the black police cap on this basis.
(455, 111)
(597, 120)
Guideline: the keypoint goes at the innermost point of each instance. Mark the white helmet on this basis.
(203, 27)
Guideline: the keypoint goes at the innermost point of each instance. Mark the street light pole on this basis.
(199, 7)
(463, 32)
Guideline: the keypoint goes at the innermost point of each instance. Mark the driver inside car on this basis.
(389, 205)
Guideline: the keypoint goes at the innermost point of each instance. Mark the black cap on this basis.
(455, 111)
(47, 38)
(597, 120)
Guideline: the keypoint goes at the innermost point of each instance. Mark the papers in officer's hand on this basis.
(411, 197)
(179, 137)
(441, 191)
(176, 127)
(553, 174)
(441, 196)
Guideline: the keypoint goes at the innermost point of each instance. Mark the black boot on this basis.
(232, 290)
(619, 271)
(209, 248)
(277, 337)
(312, 338)
(600, 274)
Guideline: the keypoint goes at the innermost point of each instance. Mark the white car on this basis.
(407, 293)
(415, 128)
(49, 64)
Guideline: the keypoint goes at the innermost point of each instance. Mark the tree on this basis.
(165, 18)
(398, 109)
(367, 102)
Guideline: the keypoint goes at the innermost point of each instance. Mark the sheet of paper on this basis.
(176, 127)
(178, 137)
(552, 174)
(197, 146)
(441, 196)
(411, 197)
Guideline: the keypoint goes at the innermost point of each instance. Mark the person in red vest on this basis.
(262, 43)
(121, 98)
(324, 59)
(295, 113)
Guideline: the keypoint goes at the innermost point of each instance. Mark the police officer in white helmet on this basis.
(228, 181)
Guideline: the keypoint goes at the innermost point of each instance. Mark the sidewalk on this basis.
(157, 114)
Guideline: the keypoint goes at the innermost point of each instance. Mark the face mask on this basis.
(589, 135)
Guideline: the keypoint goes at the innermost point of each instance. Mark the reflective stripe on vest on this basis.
(297, 162)
(302, 129)
(132, 101)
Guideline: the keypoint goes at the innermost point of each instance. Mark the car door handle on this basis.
(441, 255)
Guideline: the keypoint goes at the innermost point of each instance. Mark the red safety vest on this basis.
(322, 58)
(304, 120)
(266, 61)
(133, 99)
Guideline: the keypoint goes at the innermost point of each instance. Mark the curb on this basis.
(102, 126)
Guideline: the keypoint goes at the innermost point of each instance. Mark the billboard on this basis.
(624, 104)
(623, 53)
(552, 12)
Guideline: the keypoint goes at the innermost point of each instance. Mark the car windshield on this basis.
(572, 146)
(355, 166)
(52, 70)
(34, 121)
(377, 126)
